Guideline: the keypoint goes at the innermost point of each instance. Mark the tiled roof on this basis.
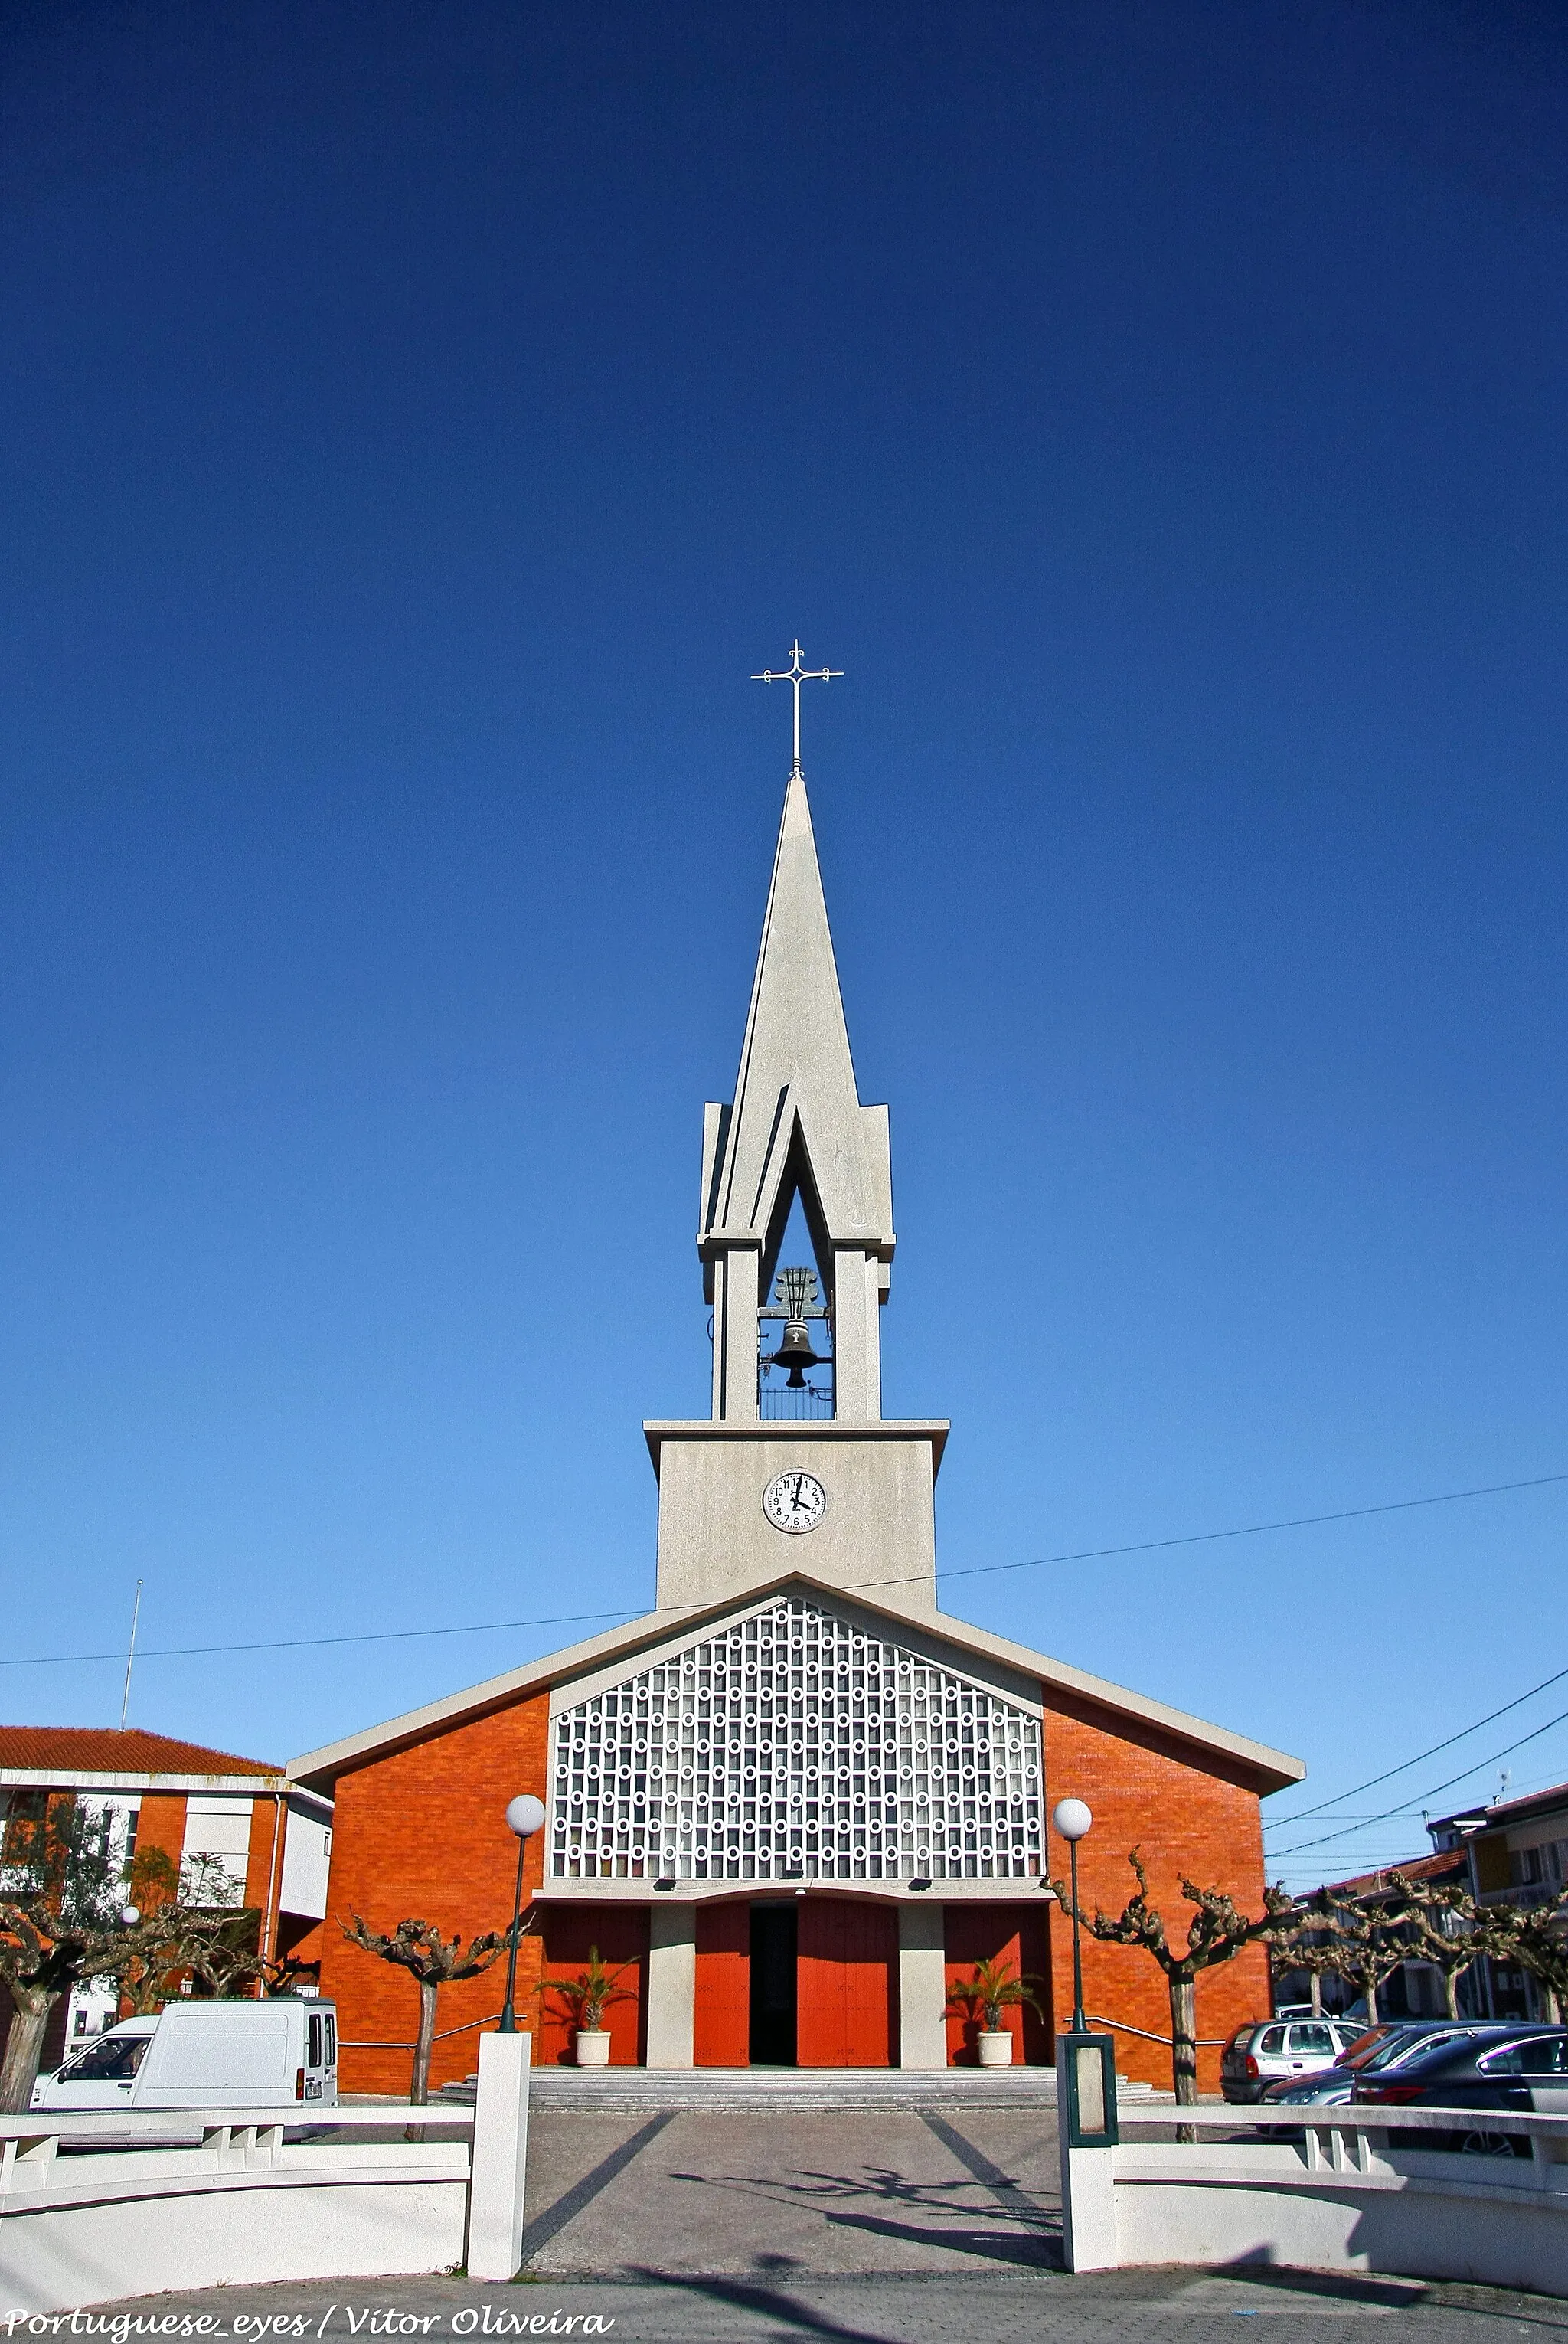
(103, 1750)
(1419, 1867)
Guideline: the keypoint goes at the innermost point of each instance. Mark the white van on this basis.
(204, 2055)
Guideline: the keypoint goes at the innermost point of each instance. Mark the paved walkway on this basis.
(898, 2227)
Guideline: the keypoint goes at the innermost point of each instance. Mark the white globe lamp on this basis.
(1072, 1821)
(524, 1816)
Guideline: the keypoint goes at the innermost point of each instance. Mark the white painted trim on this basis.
(320, 1767)
(65, 1778)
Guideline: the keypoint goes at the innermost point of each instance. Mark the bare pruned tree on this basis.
(432, 1961)
(1217, 1932)
(1536, 1938)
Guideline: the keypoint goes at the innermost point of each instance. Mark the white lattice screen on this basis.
(794, 1746)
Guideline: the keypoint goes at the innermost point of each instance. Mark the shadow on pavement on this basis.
(566, 2209)
(1038, 2248)
(768, 2300)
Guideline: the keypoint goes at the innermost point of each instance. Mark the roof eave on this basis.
(1266, 1768)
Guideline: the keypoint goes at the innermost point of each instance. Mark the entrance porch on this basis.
(811, 1979)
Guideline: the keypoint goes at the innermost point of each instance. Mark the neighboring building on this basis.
(1414, 1990)
(237, 1832)
(796, 1800)
(1516, 1853)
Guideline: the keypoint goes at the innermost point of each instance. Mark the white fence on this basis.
(1356, 2191)
(133, 2207)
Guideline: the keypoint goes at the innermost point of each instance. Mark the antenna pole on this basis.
(131, 1657)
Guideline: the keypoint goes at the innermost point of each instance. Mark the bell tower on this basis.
(796, 1132)
(792, 1166)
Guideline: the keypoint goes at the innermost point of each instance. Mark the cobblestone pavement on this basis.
(895, 2230)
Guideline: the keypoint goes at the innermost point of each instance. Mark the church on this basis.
(796, 1802)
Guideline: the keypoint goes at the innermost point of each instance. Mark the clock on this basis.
(795, 1501)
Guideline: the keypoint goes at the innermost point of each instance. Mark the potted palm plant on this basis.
(587, 1998)
(993, 1989)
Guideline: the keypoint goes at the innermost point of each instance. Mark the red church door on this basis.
(723, 2032)
(848, 1983)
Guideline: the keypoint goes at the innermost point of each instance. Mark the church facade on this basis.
(797, 1803)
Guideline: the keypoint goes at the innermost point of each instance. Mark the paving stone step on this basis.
(579, 2091)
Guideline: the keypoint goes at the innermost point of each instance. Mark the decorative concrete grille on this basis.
(793, 1746)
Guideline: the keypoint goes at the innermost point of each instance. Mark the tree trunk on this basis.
(1317, 1986)
(19, 2069)
(1372, 2019)
(1451, 1990)
(419, 2090)
(1183, 2040)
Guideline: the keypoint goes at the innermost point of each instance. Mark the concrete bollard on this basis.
(498, 2175)
(1088, 2181)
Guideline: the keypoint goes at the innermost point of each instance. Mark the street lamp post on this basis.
(1085, 2062)
(1072, 1821)
(524, 1816)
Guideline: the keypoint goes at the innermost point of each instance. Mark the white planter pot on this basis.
(995, 2050)
(593, 2047)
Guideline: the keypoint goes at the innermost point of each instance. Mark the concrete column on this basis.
(857, 1336)
(671, 1984)
(735, 1300)
(501, 2158)
(922, 1987)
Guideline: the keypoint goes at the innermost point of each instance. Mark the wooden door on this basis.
(620, 1933)
(1013, 1934)
(722, 2033)
(848, 2009)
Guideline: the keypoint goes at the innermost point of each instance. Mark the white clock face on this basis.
(795, 1501)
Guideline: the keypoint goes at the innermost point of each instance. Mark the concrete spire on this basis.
(796, 1125)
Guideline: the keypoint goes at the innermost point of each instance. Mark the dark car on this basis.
(1500, 2065)
(1380, 2047)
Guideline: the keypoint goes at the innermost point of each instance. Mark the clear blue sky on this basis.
(416, 424)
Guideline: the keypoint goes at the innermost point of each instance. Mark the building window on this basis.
(793, 1746)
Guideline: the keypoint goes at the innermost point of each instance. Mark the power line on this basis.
(1480, 1764)
(973, 1571)
(1305, 1814)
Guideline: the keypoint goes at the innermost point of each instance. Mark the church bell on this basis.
(797, 1292)
(795, 1353)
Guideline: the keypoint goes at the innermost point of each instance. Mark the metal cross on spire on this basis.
(797, 675)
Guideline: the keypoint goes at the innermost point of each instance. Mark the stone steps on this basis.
(579, 2091)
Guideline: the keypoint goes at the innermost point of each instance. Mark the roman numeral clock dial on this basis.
(795, 1501)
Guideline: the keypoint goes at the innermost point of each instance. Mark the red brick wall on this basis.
(263, 1869)
(1148, 1791)
(162, 1824)
(422, 1835)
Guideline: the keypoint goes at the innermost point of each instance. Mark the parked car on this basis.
(1377, 2047)
(1497, 2065)
(1269, 2050)
(204, 2055)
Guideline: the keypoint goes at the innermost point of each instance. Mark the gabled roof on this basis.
(1261, 1768)
(68, 1754)
(796, 1104)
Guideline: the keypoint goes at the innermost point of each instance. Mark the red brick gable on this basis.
(1147, 1789)
(422, 1834)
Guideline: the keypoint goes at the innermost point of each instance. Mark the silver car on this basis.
(1277, 2050)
